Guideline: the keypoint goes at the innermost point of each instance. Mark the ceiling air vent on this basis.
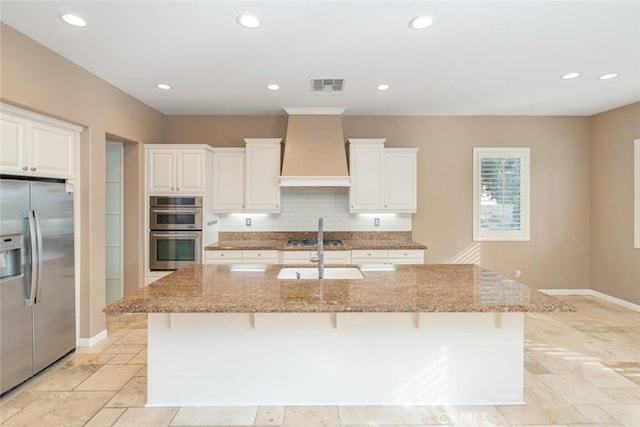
(327, 85)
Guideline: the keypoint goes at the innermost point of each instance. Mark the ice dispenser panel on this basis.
(10, 255)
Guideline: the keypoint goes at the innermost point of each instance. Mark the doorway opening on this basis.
(114, 221)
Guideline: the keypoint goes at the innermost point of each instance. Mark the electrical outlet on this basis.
(376, 222)
(517, 273)
(247, 222)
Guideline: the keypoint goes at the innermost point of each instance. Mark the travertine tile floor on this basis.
(581, 369)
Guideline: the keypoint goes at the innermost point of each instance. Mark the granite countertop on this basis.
(276, 241)
(408, 289)
(279, 245)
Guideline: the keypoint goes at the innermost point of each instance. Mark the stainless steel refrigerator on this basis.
(37, 289)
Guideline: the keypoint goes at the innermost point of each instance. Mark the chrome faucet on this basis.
(319, 258)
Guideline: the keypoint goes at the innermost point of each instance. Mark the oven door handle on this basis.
(176, 235)
(170, 211)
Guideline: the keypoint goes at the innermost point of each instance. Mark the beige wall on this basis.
(615, 262)
(223, 131)
(557, 255)
(38, 79)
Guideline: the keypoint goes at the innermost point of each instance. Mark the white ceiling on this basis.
(478, 58)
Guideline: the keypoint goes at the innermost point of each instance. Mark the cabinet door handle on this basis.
(33, 169)
(24, 168)
(177, 189)
(172, 189)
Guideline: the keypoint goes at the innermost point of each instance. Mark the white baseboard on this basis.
(615, 300)
(90, 342)
(567, 291)
(592, 293)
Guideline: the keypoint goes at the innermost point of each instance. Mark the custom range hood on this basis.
(314, 149)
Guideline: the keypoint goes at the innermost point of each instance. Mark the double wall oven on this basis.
(175, 236)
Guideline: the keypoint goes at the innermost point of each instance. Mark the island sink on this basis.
(312, 273)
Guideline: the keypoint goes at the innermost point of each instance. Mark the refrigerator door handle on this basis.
(34, 257)
(39, 267)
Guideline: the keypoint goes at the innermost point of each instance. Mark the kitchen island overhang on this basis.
(428, 334)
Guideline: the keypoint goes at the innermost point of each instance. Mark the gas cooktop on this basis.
(312, 243)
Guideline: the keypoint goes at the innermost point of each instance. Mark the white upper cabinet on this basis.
(382, 179)
(190, 170)
(366, 166)
(262, 184)
(14, 144)
(35, 145)
(400, 179)
(247, 179)
(161, 170)
(175, 170)
(228, 180)
(52, 151)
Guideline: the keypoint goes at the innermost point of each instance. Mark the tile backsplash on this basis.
(301, 207)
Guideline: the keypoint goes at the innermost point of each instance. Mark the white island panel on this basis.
(211, 359)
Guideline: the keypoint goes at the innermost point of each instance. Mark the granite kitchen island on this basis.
(418, 334)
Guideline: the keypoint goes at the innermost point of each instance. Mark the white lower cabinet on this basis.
(356, 256)
(296, 257)
(373, 256)
(406, 256)
(391, 256)
(304, 257)
(337, 257)
(222, 257)
(241, 257)
(260, 257)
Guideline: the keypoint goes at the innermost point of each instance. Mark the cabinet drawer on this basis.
(369, 254)
(406, 253)
(406, 261)
(223, 255)
(296, 257)
(258, 255)
(337, 257)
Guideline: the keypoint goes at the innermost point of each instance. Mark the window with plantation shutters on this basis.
(500, 193)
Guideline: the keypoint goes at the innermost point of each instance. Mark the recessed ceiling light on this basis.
(74, 20)
(382, 87)
(273, 86)
(570, 76)
(163, 86)
(248, 21)
(609, 76)
(420, 22)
